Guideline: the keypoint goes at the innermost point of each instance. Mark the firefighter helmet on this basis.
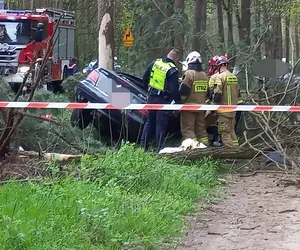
(222, 60)
(213, 64)
(193, 57)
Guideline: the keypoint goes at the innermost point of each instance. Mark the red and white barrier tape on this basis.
(63, 105)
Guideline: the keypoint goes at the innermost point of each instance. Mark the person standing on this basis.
(226, 92)
(193, 90)
(161, 80)
(211, 118)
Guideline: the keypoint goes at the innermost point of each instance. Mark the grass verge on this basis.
(125, 200)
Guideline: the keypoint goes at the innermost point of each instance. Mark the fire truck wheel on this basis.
(81, 118)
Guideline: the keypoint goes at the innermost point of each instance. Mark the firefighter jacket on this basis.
(211, 84)
(197, 84)
(212, 80)
(226, 85)
(159, 74)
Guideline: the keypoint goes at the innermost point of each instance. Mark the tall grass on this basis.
(125, 200)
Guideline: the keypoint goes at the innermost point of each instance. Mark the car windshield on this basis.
(15, 32)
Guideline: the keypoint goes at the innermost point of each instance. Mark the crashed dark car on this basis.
(121, 124)
(117, 124)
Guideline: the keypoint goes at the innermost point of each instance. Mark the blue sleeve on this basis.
(75, 70)
(146, 76)
(173, 85)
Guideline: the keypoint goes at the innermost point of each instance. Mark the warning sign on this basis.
(128, 38)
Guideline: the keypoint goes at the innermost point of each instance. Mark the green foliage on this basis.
(5, 91)
(70, 83)
(125, 200)
(35, 134)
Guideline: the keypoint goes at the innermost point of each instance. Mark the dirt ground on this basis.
(256, 214)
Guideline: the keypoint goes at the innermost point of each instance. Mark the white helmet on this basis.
(193, 57)
(184, 66)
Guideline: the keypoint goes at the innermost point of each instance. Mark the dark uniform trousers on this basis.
(156, 123)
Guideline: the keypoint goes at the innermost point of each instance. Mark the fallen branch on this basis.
(262, 172)
(46, 156)
(215, 153)
(250, 228)
(37, 117)
(288, 211)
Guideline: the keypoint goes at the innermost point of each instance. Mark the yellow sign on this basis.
(128, 38)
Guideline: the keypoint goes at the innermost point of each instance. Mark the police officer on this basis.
(226, 92)
(194, 90)
(161, 80)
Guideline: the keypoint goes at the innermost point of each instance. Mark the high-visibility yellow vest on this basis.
(159, 74)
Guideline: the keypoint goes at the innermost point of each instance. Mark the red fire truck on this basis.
(24, 36)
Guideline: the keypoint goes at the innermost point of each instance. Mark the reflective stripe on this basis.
(218, 82)
(204, 139)
(159, 73)
(200, 86)
(224, 111)
(228, 95)
(231, 80)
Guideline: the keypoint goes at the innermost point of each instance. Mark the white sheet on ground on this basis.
(185, 145)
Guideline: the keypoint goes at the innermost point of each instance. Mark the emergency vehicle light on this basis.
(18, 12)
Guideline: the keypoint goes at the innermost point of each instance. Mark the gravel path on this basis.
(255, 215)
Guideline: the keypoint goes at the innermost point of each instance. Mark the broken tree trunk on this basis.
(216, 153)
(44, 156)
(106, 34)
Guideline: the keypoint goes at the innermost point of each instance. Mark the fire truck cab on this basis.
(24, 38)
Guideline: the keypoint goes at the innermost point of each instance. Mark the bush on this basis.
(121, 201)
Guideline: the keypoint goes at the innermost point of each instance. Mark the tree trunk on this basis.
(106, 34)
(238, 20)
(257, 27)
(199, 24)
(277, 38)
(179, 39)
(230, 24)
(297, 40)
(215, 153)
(203, 18)
(230, 40)
(32, 4)
(4, 143)
(287, 38)
(246, 20)
(221, 32)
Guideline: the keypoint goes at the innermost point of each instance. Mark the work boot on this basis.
(217, 144)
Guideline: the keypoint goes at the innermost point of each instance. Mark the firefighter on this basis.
(211, 117)
(226, 92)
(194, 90)
(161, 80)
(72, 67)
